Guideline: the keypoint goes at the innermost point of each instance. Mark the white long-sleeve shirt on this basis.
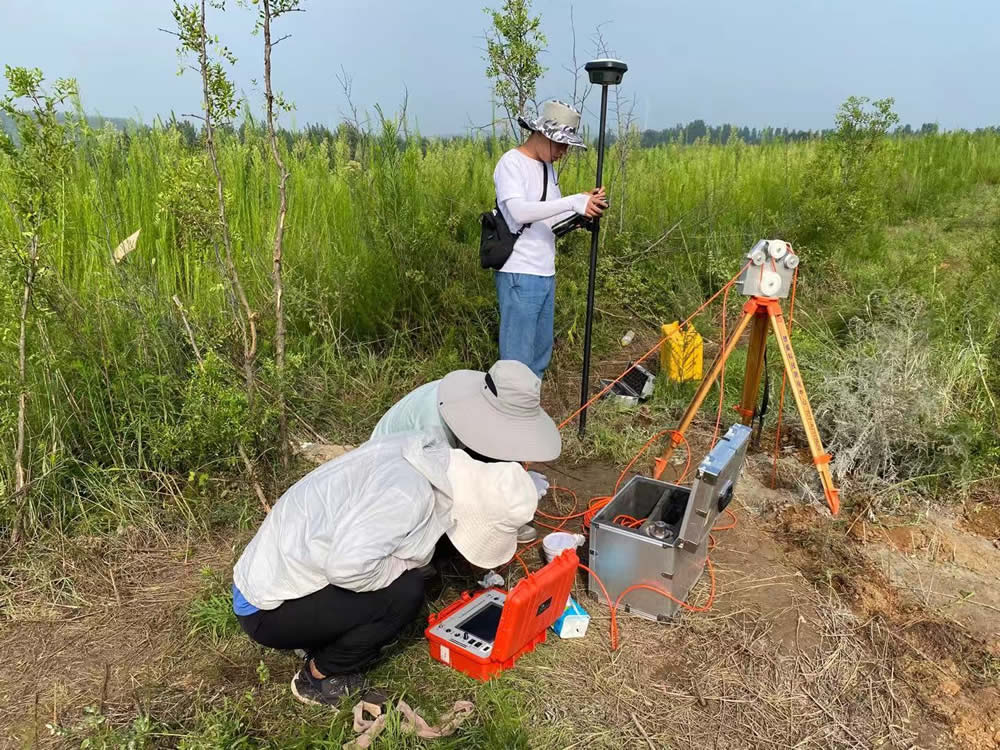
(518, 180)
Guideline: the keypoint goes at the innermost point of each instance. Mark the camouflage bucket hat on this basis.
(558, 122)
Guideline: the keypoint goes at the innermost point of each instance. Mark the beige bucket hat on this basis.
(490, 502)
(498, 414)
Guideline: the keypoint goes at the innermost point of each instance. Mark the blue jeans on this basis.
(527, 307)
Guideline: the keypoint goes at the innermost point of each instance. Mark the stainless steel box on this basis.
(674, 558)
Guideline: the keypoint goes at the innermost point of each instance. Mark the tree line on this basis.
(695, 131)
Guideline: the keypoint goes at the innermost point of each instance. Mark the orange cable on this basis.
(652, 351)
(597, 503)
(722, 373)
(517, 556)
(656, 590)
(728, 526)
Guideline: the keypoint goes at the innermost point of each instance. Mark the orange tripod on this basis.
(762, 311)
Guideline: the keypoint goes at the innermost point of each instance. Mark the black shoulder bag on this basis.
(496, 242)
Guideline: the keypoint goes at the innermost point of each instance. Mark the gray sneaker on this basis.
(329, 690)
(526, 534)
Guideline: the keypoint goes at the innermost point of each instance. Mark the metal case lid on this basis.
(713, 486)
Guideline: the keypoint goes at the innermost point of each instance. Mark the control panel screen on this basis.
(483, 625)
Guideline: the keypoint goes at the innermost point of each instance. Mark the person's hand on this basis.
(597, 203)
(541, 483)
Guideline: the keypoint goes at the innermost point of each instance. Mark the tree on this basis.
(846, 202)
(861, 134)
(271, 10)
(38, 163)
(695, 130)
(218, 110)
(512, 47)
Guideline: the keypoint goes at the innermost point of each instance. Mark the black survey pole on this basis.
(603, 73)
(594, 232)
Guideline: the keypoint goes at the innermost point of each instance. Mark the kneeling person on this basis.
(496, 414)
(335, 568)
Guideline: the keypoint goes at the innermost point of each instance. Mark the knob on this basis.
(659, 530)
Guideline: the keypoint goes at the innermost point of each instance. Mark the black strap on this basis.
(761, 411)
(545, 193)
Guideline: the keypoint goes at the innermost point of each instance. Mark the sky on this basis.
(784, 63)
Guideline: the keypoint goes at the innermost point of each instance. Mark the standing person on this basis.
(496, 414)
(336, 568)
(529, 200)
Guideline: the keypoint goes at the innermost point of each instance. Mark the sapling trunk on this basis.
(279, 231)
(247, 323)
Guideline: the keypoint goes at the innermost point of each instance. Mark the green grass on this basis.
(383, 291)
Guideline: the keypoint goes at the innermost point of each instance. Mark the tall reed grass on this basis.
(382, 286)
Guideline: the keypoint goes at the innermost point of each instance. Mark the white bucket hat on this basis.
(498, 414)
(557, 121)
(490, 502)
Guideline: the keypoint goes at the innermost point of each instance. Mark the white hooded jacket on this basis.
(358, 522)
(363, 519)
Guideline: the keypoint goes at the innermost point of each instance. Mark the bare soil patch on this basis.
(812, 642)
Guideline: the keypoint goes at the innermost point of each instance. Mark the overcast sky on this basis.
(787, 63)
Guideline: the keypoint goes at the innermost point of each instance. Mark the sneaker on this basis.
(526, 534)
(299, 652)
(329, 690)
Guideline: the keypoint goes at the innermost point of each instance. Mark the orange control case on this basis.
(530, 608)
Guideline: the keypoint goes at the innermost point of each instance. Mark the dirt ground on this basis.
(846, 632)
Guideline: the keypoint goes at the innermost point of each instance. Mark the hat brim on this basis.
(477, 424)
(552, 131)
(480, 545)
(477, 536)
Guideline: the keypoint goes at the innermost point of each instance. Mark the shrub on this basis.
(882, 398)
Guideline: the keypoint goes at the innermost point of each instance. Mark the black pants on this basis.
(341, 630)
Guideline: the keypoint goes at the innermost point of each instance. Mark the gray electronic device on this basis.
(772, 265)
(474, 627)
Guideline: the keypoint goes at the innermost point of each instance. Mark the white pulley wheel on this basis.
(791, 261)
(770, 283)
(777, 249)
(757, 257)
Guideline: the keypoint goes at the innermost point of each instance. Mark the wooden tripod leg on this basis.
(820, 457)
(703, 388)
(755, 367)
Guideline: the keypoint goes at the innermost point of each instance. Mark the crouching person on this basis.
(493, 416)
(336, 567)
